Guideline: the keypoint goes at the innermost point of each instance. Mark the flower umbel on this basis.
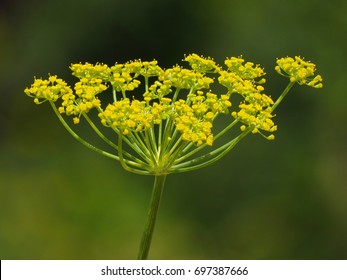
(300, 71)
(83, 99)
(166, 126)
(164, 119)
(51, 89)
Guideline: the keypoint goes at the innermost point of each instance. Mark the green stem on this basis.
(283, 94)
(78, 138)
(99, 133)
(114, 93)
(209, 158)
(143, 169)
(152, 216)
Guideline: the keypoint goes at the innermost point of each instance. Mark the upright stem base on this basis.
(152, 216)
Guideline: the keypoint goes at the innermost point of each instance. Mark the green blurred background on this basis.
(282, 199)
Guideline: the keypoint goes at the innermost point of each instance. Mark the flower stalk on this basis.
(170, 127)
(147, 235)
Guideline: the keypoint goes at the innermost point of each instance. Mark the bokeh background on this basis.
(282, 199)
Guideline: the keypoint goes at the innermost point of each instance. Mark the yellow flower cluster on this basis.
(201, 64)
(194, 121)
(192, 128)
(125, 115)
(244, 78)
(182, 78)
(241, 78)
(135, 116)
(255, 111)
(84, 98)
(158, 90)
(245, 70)
(299, 71)
(89, 71)
(51, 89)
(122, 79)
(168, 122)
(193, 116)
(150, 69)
(123, 76)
